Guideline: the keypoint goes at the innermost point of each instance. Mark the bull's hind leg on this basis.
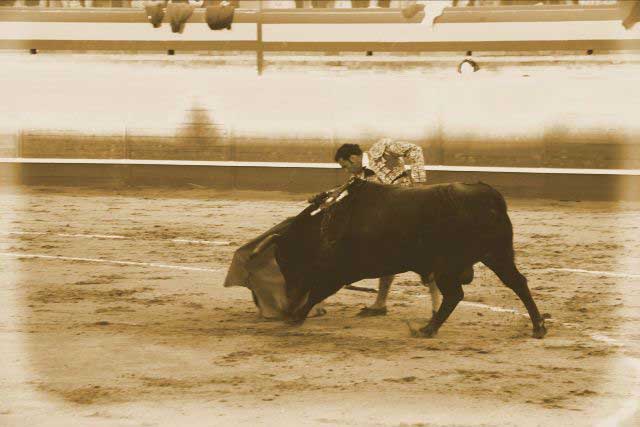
(506, 270)
(452, 294)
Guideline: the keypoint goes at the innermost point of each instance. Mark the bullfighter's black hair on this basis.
(347, 150)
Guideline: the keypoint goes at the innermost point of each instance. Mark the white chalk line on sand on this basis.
(108, 261)
(597, 337)
(41, 233)
(594, 272)
(113, 237)
(204, 242)
(228, 243)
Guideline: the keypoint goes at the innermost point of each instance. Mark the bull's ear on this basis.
(264, 244)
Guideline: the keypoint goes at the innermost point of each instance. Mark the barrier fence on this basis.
(552, 183)
(504, 29)
(582, 28)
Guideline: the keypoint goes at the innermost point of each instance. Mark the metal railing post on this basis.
(259, 49)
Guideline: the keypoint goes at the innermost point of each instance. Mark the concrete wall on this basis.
(581, 114)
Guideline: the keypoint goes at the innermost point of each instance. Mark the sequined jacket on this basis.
(387, 160)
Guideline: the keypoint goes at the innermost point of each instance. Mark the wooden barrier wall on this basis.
(570, 150)
(556, 185)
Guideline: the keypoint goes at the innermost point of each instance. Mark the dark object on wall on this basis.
(634, 14)
(412, 10)
(155, 14)
(468, 62)
(322, 4)
(384, 3)
(219, 17)
(470, 3)
(178, 15)
(207, 3)
(359, 3)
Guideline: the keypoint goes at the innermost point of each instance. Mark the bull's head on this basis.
(255, 266)
(282, 267)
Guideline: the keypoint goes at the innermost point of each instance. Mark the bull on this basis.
(368, 230)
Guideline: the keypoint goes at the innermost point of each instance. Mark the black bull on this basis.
(379, 230)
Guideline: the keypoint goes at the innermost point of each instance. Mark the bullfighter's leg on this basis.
(318, 310)
(452, 294)
(436, 296)
(506, 270)
(379, 307)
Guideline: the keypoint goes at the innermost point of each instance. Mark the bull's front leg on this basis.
(452, 294)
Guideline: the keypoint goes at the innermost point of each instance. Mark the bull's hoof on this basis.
(426, 332)
(369, 312)
(540, 332)
(294, 322)
(417, 332)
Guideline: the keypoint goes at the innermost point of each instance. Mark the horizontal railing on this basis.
(522, 13)
(497, 29)
(513, 182)
(307, 165)
(534, 13)
(241, 16)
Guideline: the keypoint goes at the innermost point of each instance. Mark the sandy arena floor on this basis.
(114, 314)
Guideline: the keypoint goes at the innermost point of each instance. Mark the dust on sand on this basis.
(138, 344)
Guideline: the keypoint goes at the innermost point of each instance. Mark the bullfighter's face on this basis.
(353, 164)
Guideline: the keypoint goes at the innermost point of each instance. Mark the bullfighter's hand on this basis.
(318, 198)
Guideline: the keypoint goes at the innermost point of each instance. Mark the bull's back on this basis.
(453, 214)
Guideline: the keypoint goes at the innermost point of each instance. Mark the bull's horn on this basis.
(264, 244)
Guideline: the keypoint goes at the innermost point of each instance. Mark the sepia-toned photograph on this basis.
(386, 213)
